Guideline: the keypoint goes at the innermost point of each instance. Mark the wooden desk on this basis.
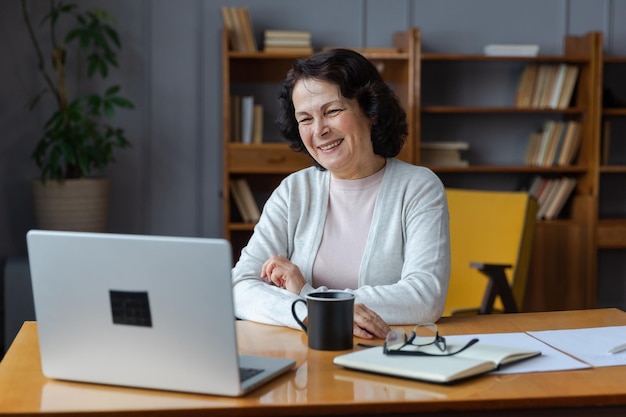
(317, 387)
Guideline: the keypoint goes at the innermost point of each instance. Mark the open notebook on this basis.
(143, 311)
(475, 360)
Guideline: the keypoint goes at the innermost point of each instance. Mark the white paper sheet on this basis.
(549, 360)
(591, 345)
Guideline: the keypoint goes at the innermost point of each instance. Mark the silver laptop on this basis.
(143, 311)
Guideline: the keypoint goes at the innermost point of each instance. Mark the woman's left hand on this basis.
(281, 272)
(368, 324)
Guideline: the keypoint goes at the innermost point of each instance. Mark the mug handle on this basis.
(295, 316)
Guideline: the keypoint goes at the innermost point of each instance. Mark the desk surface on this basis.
(317, 387)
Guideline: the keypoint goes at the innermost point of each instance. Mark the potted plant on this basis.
(78, 140)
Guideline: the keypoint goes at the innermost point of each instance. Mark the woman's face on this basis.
(334, 129)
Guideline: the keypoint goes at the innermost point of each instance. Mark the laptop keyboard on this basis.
(247, 373)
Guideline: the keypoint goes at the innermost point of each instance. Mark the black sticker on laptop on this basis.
(131, 308)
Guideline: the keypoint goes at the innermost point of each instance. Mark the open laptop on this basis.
(143, 311)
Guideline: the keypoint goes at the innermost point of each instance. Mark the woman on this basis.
(360, 220)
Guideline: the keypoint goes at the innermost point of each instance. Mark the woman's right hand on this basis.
(283, 273)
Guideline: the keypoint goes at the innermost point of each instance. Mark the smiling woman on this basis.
(360, 220)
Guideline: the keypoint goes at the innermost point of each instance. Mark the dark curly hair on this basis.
(357, 78)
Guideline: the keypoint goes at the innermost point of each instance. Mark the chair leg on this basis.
(497, 285)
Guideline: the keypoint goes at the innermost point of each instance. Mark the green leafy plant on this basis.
(77, 138)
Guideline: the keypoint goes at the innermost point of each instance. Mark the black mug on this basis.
(330, 319)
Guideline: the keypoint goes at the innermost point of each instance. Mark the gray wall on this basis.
(169, 182)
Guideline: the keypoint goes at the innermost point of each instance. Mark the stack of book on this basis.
(288, 41)
(443, 153)
(556, 144)
(237, 21)
(246, 120)
(511, 50)
(546, 86)
(551, 195)
(244, 200)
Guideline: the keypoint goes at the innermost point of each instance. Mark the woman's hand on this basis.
(281, 272)
(367, 324)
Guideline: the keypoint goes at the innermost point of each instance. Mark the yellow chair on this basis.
(491, 235)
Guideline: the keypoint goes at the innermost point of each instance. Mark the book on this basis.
(563, 191)
(287, 34)
(229, 24)
(569, 84)
(548, 87)
(287, 41)
(247, 118)
(257, 124)
(239, 25)
(541, 83)
(546, 134)
(555, 95)
(251, 207)
(524, 94)
(304, 50)
(532, 148)
(443, 153)
(244, 200)
(571, 144)
(248, 32)
(553, 143)
(451, 145)
(478, 359)
(235, 191)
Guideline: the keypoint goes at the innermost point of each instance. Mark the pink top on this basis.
(350, 210)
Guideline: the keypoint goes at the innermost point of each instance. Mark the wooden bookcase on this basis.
(446, 97)
(264, 165)
(563, 270)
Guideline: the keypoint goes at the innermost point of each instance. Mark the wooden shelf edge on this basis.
(431, 56)
(613, 169)
(507, 110)
(574, 169)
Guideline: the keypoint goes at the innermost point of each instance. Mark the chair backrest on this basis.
(488, 227)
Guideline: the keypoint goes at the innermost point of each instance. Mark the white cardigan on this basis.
(405, 269)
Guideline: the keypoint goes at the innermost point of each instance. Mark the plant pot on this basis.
(76, 204)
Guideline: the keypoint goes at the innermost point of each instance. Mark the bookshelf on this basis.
(562, 274)
(263, 165)
(468, 98)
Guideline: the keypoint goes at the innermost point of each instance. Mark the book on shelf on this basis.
(511, 50)
(563, 191)
(246, 120)
(551, 194)
(257, 123)
(239, 25)
(569, 85)
(571, 144)
(239, 202)
(555, 144)
(524, 94)
(478, 359)
(444, 153)
(546, 86)
(289, 41)
(244, 200)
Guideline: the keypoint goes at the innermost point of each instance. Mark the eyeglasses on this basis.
(398, 342)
